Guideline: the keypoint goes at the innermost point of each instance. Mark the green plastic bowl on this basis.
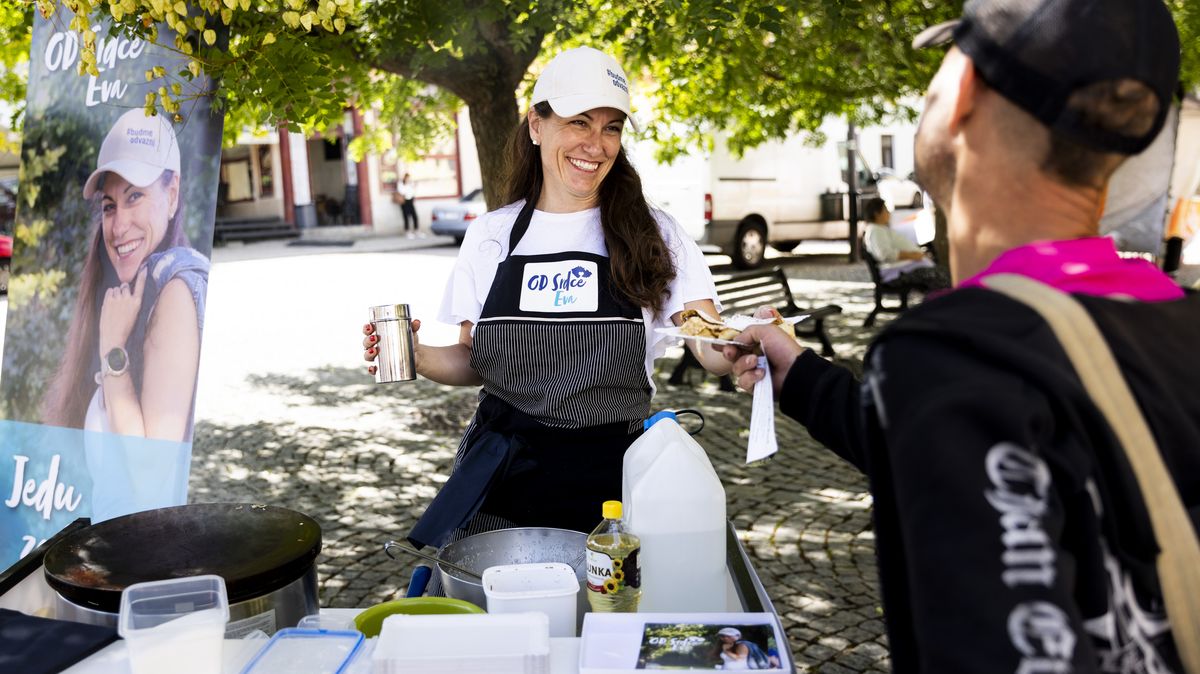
(370, 621)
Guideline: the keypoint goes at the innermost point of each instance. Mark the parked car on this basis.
(8, 214)
(898, 191)
(453, 219)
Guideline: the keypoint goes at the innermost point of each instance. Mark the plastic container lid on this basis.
(159, 604)
(437, 641)
(529, 581)
(257, 549)
(306, 651)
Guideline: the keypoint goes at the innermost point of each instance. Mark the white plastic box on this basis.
(550, 588)
(175, 625)
(463, 644)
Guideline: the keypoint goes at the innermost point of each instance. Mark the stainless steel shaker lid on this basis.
(389, 312)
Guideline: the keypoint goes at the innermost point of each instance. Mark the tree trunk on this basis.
(494, 115)
(487, 83)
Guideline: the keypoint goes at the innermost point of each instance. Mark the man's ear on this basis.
(968, 88)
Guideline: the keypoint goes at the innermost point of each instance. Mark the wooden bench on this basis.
(900, 287)
(744, 293)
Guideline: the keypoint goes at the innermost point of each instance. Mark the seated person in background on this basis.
(896, 254)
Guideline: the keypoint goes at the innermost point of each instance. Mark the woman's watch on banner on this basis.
(114, 364)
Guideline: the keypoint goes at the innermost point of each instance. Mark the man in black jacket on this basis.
(1011, 533)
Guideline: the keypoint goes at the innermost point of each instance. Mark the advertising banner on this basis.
(110, 267)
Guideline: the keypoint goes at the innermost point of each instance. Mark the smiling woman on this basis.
(557, 296)
(133, 348)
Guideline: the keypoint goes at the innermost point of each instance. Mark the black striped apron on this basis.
(562, 358)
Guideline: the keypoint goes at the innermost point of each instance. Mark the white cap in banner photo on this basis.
(583, 79)
(137, 148)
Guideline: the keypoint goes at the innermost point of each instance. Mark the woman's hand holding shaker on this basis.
(390, 343)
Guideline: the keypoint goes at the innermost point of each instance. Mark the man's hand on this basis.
(780, 348)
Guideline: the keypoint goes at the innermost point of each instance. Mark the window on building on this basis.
(389, 172)
(435, 175)
(266, 173)
(237, 181)
(333, 148)
(886, 155)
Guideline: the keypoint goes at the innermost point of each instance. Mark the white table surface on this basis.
(114, 659)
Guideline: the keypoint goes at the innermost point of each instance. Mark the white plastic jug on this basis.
(675, 504)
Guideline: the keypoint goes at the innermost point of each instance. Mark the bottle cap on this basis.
(611, 510)
(665, 414)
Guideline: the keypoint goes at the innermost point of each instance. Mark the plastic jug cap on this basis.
(611, 510)
(657, 417)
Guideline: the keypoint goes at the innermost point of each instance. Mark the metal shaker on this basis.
(395, 361)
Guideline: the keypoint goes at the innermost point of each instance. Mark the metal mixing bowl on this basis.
(525, 545)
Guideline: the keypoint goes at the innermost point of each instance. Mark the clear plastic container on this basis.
(550, 588)
(175, 625)
(306, 651)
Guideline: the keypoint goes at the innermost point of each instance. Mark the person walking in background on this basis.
(896, 254)
(1011, 532)
(408, 207)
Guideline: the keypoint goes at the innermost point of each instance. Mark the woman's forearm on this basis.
(449, 365)
(122, 406)
(712, 361)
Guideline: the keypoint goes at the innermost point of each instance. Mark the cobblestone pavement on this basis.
(276, 424)
(365, 460)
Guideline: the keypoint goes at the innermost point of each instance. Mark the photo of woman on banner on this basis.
(132, 351)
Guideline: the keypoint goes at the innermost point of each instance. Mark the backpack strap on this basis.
(1179, 559)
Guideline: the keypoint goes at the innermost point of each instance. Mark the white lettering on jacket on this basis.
(1020, 481)
(1041, 632)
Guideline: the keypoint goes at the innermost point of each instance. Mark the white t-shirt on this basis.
(886, 244)
(485, 246)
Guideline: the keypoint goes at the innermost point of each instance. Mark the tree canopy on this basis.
(757, 69)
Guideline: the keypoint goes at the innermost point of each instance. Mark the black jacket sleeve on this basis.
(825, 398)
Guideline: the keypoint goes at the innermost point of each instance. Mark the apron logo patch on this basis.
(570, 285)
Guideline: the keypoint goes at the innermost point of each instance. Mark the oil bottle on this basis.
(614, 580)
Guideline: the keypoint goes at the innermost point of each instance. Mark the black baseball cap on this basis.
(1037, 52)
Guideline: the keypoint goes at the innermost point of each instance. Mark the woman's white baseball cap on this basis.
(730, 632)
(137, 148)
(582, 79)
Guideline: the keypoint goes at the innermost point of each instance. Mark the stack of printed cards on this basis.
(692, 642)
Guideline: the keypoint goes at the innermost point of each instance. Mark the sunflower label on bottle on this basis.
(613, 573)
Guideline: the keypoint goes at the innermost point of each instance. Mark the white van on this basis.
(779, 193)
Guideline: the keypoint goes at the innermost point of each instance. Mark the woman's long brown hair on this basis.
(70, 391)
(641, 264)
